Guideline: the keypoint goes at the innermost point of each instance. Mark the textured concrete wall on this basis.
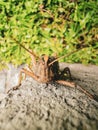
(36, 106)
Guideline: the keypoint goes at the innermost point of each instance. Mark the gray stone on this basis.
(36, 106)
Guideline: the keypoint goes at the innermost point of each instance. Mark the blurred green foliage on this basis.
(49, 26)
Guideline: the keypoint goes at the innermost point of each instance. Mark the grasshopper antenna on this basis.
(32, 53)
(64, 56)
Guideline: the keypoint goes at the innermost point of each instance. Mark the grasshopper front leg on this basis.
(66, 71)
(26, 72)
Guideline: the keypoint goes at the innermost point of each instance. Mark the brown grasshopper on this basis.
(46, 69)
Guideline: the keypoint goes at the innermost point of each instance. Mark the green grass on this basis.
(49, 26)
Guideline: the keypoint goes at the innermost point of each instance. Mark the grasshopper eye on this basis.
(51, 59)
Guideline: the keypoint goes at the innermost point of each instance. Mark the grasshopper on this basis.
(46, 70)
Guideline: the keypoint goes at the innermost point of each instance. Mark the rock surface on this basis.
(36, 106)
